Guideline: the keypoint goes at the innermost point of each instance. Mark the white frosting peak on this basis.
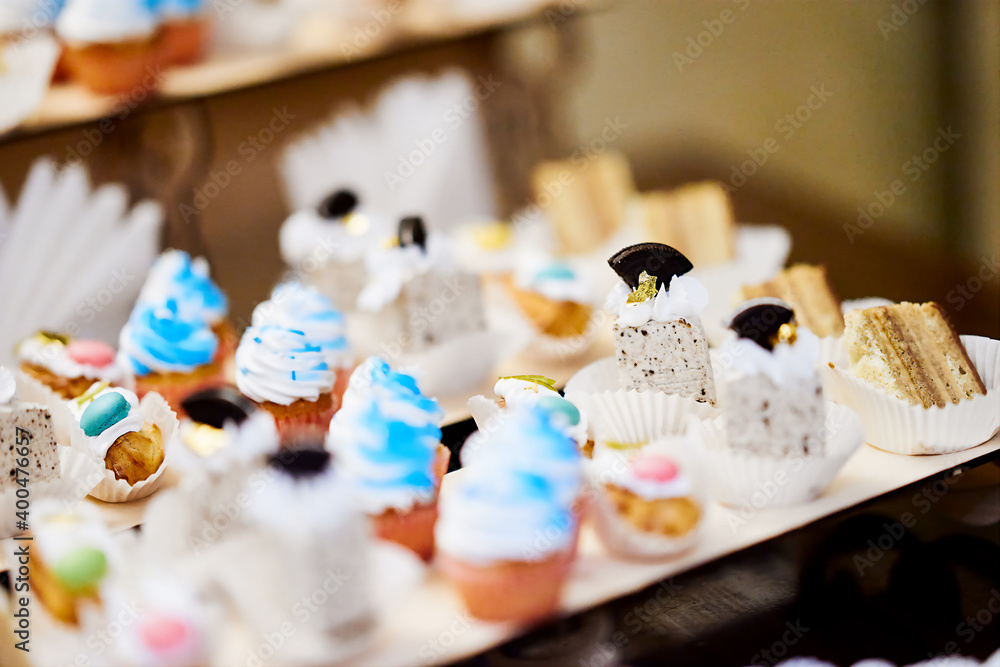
(7, 386)
(686, 296)
(105, 21)
(741, 357)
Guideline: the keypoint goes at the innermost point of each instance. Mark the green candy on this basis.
(81, 570)
(536, 379)
(560, 404)
(104, 412)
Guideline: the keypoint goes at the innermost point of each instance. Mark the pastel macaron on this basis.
(104, 412)
(91, 353)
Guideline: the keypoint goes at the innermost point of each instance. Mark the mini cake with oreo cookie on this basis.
(417, 292)
(771, 391)
(660, 342)
(23, 423)
(325, 246)
(68, 367)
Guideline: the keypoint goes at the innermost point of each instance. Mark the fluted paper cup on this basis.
(744, 479)
(629, 416)
(616, 533)
(895, 425)
(832, 351)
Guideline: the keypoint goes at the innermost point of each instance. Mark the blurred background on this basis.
(868, 128)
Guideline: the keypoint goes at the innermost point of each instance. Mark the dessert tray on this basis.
(432, 627)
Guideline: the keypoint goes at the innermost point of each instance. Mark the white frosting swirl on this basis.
(741, 357)
(305, 236)
(132, 423)
(281, 366)
(59, 531)
(611, 467)
(390, 268)
(54, 356)
(495, 515)
(685, 297)
(7, 386)
(521, 392)
(105, 21)
(553, 280)
(297, 307)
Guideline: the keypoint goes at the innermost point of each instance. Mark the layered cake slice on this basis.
(808, 291)
(587, 203)
(24, 424)
(697, 219)
(912, 352)
(660, 341)
(771, 391)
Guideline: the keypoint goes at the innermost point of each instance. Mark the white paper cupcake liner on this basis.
(622, 538)
(744, 479)
(629, 416)
(832, 351)
(897, 426)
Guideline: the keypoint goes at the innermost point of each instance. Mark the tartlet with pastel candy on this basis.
(69, 366)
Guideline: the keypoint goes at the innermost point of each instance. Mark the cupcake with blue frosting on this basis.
(171, 351)
(301, 308)
(185, 31)
(387, 441)
(112, 46)
(188, 281)
(507, 534)
(287, 372)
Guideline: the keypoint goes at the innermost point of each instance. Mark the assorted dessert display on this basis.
(305, 452)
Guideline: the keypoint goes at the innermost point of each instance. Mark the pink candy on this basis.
(162, 633)
(90, 353)
(654, 467)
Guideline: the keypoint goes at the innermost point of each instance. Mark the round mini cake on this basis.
(69, 367)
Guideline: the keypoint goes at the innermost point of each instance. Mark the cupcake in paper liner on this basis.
(171, 350)
(918, 387)
(529, 390)
(131, 438)
(741, 478)
(555, 301)
(387, 441)
(38, 462)
(648, 505)
(175, 275)
(628, 418)
(69, 367)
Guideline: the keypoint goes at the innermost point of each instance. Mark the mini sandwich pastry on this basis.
(911, 351)
(660, 342)
(697, 219)
(807, 290)
(591, 206)
(117, 431)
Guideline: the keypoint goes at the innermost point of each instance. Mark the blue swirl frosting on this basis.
(533, 438)
(176, 8)
(164, 339)
(176, 276)
(281, 365)
(385, 438)
(295, 306)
